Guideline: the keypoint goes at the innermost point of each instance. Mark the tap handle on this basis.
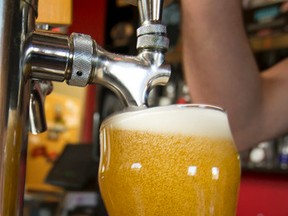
(150, 11)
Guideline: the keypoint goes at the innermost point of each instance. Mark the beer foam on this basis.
(199, 120)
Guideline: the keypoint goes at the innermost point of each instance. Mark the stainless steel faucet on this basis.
(80, 60)
(29, 59)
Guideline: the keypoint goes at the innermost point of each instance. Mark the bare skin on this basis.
(220, 70)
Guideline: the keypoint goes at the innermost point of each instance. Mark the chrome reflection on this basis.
(192, 170)
(215, 173)
(136, 166)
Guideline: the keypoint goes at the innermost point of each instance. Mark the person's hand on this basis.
(284, 7)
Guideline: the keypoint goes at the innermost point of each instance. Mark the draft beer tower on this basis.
(30, 59)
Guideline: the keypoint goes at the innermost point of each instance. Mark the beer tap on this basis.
(79, 60)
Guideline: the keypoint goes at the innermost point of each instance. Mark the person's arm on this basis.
(220, 69)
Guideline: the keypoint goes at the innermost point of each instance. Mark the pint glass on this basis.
(174, 160)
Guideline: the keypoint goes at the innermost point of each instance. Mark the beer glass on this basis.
(174, 160)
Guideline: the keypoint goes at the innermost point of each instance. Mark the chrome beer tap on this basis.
(79, 60)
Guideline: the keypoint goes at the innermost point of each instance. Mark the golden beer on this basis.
(175, 160)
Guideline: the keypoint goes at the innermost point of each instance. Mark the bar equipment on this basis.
(29, 59)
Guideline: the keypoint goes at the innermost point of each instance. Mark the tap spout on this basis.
(130, 77)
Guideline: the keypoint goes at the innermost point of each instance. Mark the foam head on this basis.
(202, 120)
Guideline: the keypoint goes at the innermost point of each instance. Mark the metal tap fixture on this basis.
(39, 90)
(29, 59)
(80, 61)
